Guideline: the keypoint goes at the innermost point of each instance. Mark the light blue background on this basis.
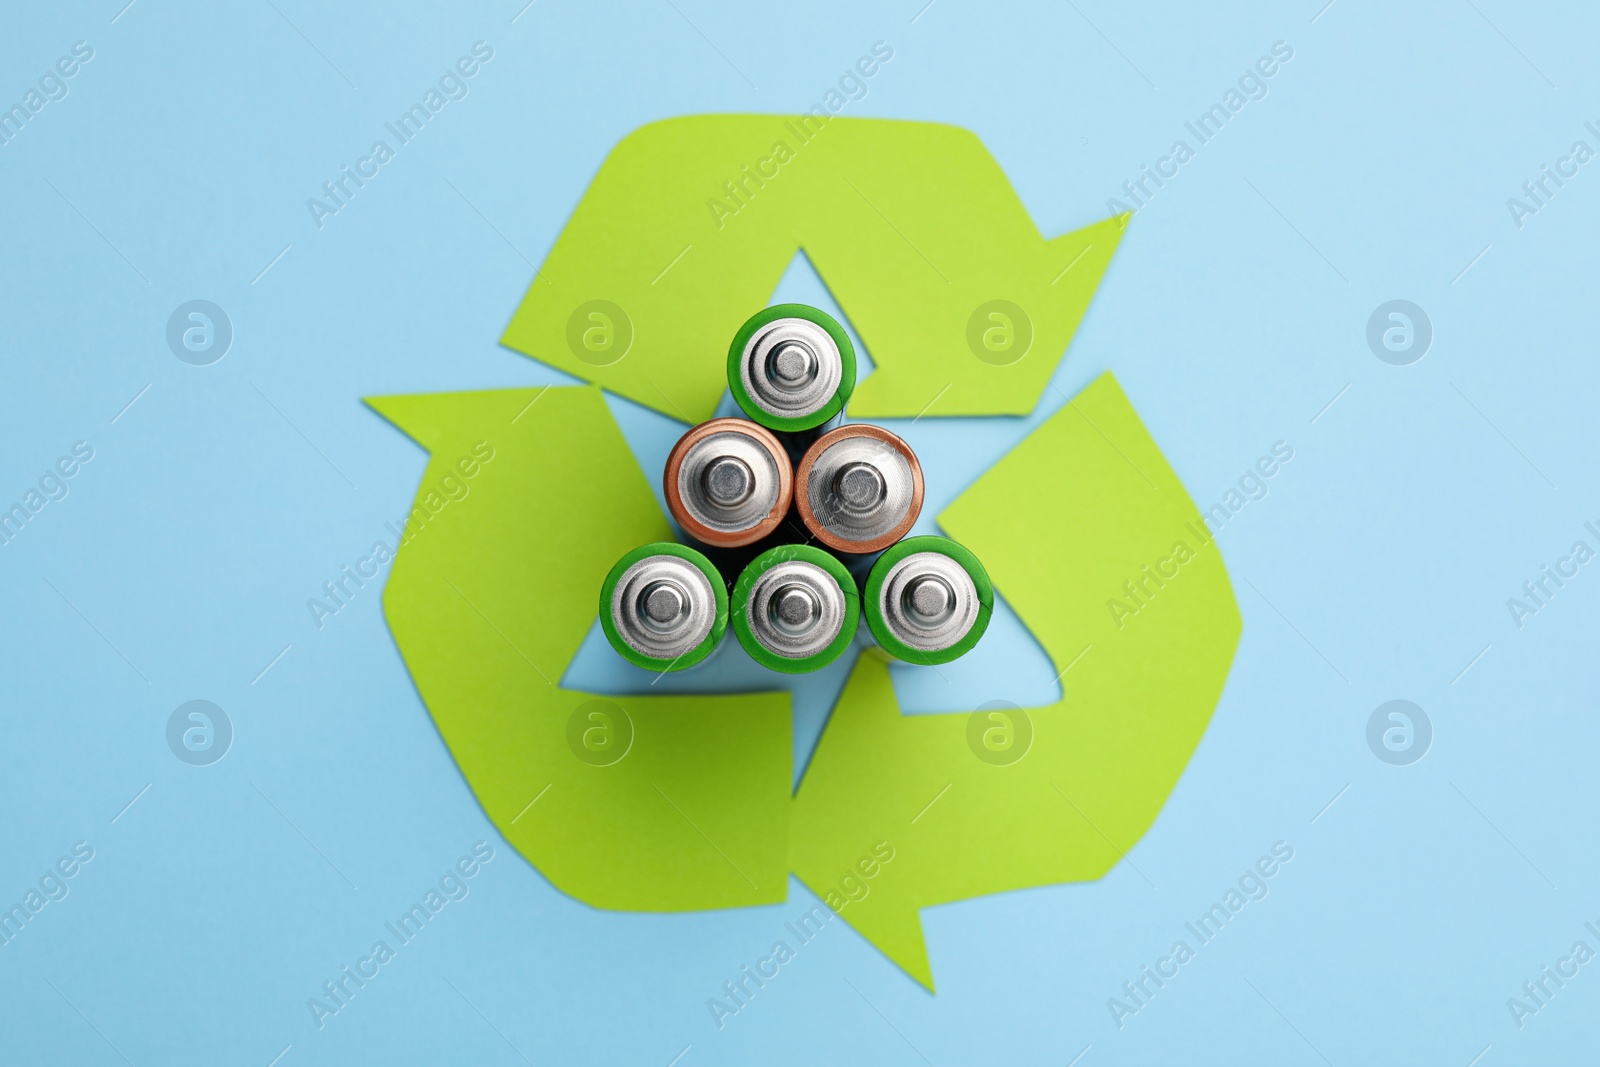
(1234, 311)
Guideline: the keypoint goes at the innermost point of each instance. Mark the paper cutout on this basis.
(690, 223)
(1081, 507)
(677, 803)
(672, 803)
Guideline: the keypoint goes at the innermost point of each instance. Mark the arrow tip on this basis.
(843, 807)
(408, 413)
(891, 924)
(431, 418)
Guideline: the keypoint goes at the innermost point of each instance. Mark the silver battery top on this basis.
(796, 609)
(860, 488)
(729, 482)
(791, 368)
(663, 606)
(928, 601)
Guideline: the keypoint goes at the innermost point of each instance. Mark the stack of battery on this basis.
(805, 524)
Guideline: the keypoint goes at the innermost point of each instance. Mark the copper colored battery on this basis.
(728, 482)
(859, 488)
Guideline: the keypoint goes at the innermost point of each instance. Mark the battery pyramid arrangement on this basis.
(760, 495)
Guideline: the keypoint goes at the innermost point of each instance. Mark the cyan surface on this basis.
(1378, 566)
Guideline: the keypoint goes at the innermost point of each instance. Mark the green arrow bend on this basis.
(658, 803)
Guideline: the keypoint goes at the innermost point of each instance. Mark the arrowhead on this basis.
(409, 415)
(691, 222)
(850, 811)
(889, 921)
(979, 355)
(430, 419)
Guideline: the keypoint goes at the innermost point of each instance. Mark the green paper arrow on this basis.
(646, 803)
(690, 223)
(1012, 799)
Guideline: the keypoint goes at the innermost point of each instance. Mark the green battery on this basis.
(664, 607)
(928, 600)
(795, 609)
(791, 367)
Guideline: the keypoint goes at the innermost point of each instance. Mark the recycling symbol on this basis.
(670, 803)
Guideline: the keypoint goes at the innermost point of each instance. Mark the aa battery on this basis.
(928, 600)
(795, 609)
(859, 489)
(664, 607)
(728, 482)
(791, 367)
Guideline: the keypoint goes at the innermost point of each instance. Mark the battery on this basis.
(859, 488)
(791, 367)
(795, 609)
(664, 607)
(728, 482)
(928, 600)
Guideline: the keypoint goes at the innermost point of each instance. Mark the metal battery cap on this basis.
(928, 600)
(791, 367)
(859, 488)
(663, 607)
(795, 609)
(728, 482)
